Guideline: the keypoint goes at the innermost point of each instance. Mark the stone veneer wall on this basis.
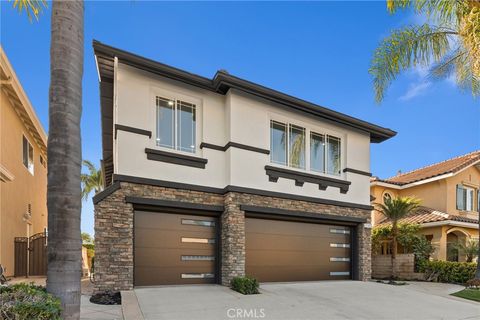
(404, 267)
(114, 230)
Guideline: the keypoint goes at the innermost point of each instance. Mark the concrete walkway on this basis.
(91, 311)
(307, 300)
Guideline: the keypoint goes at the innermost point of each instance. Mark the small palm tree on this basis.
(93, 181)
(469, 249)
(395, 209)
(448, 44)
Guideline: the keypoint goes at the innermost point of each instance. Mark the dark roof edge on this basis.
(223, 81)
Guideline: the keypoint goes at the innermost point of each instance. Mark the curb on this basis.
(130, 307)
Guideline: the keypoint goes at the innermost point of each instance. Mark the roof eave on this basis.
(449, 223)
(223, 81)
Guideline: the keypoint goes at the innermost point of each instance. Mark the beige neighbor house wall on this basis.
(431, 194)
(439, 195)
(19, 188)
(469, 177)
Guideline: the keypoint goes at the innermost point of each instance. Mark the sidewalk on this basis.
(91, 311)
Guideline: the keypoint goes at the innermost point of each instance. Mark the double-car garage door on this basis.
(183, 249)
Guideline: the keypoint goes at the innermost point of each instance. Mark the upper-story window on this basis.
(387, 197)
(176, 124)
(465, 198)
(288, 147)
(287, 144)
(27, 155)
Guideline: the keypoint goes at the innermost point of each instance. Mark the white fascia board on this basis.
(385, 184)
(413, 184)
(417, 183)
(449, 223)
(98, 70)
(476, 164)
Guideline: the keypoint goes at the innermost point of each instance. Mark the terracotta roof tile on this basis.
(425, 215)
(448, 166)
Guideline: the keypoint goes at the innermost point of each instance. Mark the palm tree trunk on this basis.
(394, 248)
(64, 155)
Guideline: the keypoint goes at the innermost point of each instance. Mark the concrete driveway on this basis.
(307, 300)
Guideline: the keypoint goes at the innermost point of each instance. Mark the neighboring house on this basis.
(208, 179)
(449, 192)
(23, 167)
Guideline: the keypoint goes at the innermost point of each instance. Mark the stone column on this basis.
(364, 240)
(233, 240)
(113, 243)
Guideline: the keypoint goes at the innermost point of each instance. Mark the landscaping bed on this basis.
(106, 298)
(23, 301)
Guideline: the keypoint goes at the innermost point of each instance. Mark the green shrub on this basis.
(448, 271)
(245, 285)
(27, 301)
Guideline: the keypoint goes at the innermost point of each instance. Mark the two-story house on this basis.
(208, 179)
(450, 197)
(23, 173)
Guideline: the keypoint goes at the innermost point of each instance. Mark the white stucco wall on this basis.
(235, 117)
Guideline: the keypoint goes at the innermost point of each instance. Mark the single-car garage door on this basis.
(174, 248)
(296, 251)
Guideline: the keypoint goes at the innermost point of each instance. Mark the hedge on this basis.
(245, 285)
(27, 301)
(448, 271)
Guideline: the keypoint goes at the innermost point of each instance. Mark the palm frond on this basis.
(444, 11)
(398, 208)
(32, 7)
(446, 66)
(90, 166)
(465, 78)
(406, 48)
(93, 181)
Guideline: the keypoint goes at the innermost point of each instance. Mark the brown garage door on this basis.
(296, 251)
(174, 249)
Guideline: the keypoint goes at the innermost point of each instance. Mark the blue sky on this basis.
(316, 51)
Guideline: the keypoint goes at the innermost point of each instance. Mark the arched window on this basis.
(387, 197)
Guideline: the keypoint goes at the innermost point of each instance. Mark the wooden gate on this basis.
(37, 261)
(31, 255)
(21, 249)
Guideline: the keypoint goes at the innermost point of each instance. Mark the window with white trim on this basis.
(288, 147)
(333, 155)
(317, 152)
(27, 155)
(465, 198)
(176, 124)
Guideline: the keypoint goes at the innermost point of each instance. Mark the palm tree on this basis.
(395, 209)
(93, 181)
(469, 248)
(64, 155)
(63, 149)
(448, 44)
